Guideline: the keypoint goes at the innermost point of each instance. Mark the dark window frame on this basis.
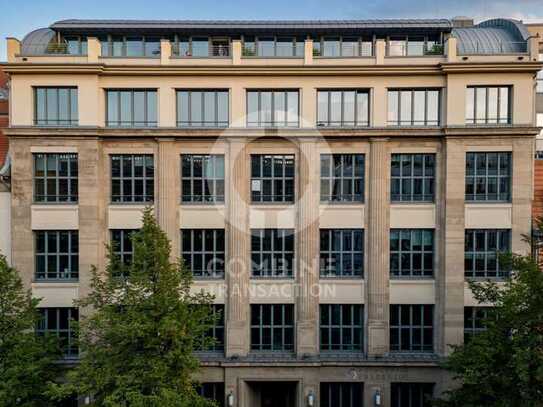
(416, 324)
(356, 179)
(217, 331)
(217, 252)
(203, 123)
(70, 350)
(344, 123)
(252, 51)
(488, 120)
(502, 239)
(474, 320)
(71, 255)
(215, 183)
(273, 123)
(212, 391)
(147, 180)
(400, 391)
(399, 181)
(344, 331)
(268, 253)
(286, 180)
(363, 44)
(146, 122)
(341, 394)
(283, 327)
(121, 243)
(406, 246)
(106, 44)
(72, 99)
(412, 122)
(473, 176)
(330, 254)
(71, 179)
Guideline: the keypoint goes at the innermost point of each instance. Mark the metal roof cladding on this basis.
(245, 26)
(496, 36)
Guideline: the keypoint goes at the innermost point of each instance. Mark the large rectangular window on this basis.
(55, 106)
(411, 253)
(57, 254)
(212, 391)
(202, 251)
(59, 322)
(130, 46)
(411, 328)
(488, 105)
(343, 47)
(271, 46)
(272, 253)
(55, 177)
(413, 107)
(121, 241)
(411, 394)
(474, 321)
(482, 249)
(217, 330)
(272, 108)
(341, 327)
(132, 178)
(202, 108)
(341, 394)
(343, 108)
(272, 327)
(488, 176)
(131, 108)
(412, 177)
(342, 177)
(272, 178)
(202, 178)
(342, 252)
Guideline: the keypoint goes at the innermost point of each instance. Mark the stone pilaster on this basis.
(21, 200)
(238, 249)
(307, 248)
(522, 193)
(449, 312)
(378, 235)
(167, 202)
(92, 211)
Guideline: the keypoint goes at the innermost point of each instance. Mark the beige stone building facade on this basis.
(334, 184)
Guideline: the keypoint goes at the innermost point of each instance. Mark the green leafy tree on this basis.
(503, 366)
(27, 361)
(141, 329)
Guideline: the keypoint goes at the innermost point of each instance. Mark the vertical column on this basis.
(166, 206)
(450, 270)
(307, 248)
(21, 200)
(238, 241)
(377, 285)
(522, 193)
(92, 208)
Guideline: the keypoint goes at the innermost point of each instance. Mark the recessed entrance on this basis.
(272, 394)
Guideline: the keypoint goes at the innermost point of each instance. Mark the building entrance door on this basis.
(273, 394)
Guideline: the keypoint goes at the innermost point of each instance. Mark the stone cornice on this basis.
(165, 132)
(280, 70)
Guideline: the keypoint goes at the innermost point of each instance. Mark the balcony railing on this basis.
(279, 50)
(345, 50)
(213, 51)
(413, 49)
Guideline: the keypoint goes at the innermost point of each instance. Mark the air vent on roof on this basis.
(462, 22)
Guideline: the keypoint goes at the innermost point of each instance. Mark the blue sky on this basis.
(18, 17)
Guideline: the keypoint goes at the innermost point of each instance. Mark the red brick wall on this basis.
(537, 207)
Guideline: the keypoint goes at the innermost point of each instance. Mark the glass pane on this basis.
(126, 108)
(200, 47)
(52, 106)
(348, 108)
(252, 107)
(209, 108)
(266, 47)
(362, 105)
(335, 108)
(331, 47)
(183, 107)
(405, 107)
(134, 46)
(112, 108)
(196, 108)
(393, 107)
(432, 107)
(470, 104)
(419, 107)
(222, 108)
(322, 108)
(292, 108)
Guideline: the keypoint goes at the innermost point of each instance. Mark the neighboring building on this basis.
(5, 195)
(536, 30)
(342, 180)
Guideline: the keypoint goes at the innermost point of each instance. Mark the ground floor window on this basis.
(339, 394)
